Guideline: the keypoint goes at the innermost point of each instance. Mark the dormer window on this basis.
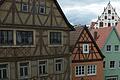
(25, 7)
(85, 48)
(109, 11)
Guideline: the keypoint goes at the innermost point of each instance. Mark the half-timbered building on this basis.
(34, 40)
(87, 59)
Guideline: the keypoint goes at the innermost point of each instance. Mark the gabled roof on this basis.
(75, 40)
(74, 35)
(59, 9)
(102, 34)
(109, 4)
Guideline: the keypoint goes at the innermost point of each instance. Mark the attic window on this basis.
(42, 7)
(25, 7)
(85, 48)
(109, 11)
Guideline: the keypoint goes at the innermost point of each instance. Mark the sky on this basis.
(84, 11)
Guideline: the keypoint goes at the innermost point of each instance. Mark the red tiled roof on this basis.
(74, 35)
(102, 35)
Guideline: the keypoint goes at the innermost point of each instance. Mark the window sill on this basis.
(50, 45)
(79, 75)
(43, 74)
(91, 74)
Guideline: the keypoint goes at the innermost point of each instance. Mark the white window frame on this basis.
(8, 69)
(77, 71)
(23, 5)
(29, 70)
(84, 46)
(114, 65)
(110, 48)
(112, 77)
(92, 67)
(62, 65)
(46, 68)
(118, 48)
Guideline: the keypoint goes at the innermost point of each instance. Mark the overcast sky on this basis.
(85, 11)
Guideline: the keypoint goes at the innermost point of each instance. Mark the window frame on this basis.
(83, 70)
(112, 65)
(46, 68)
(24, 5)
(22, 44)
(6, 36)
(87, 48)
(42, 5)
(115, 48)
(62, 65)
(29, 70)
(92, 70)
(107, 47)
(58, 44)
(8, 70)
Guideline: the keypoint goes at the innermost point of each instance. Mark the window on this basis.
(59, 65)
(109, 24)
(85, 48)
(6, 37)
(55, 38)
(112, 64)
(119, 64)
(109, 11)
(116, 48)
(42, 67)
(108, 48)
(24, 37)
(25, 7)
(3, 71)
(105, 17)
(112, 17)
(91, 69)
(80, 70)
(42, 7)
(112, 78)
(101, 24)
(24, 70)
(116, 23)
(103, 64)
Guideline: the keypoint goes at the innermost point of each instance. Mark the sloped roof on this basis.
(102, 35)
(74, 35)
(59, 9)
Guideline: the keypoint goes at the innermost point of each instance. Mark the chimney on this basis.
(95, 35)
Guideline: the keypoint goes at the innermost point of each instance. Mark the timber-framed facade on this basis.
(87, 59)
(34, 40)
